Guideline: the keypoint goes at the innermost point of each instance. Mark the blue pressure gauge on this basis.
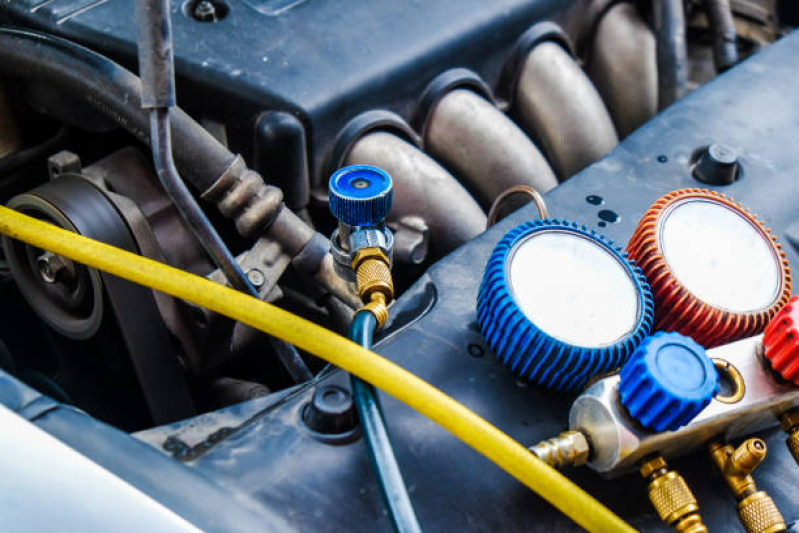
(559, 303)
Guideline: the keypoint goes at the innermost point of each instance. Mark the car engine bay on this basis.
(566, 227)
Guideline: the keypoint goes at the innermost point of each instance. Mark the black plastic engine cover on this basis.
(325, 61)
(753, 109)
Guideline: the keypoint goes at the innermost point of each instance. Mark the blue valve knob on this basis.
(360, 195)
(559, 303)
(668, 380)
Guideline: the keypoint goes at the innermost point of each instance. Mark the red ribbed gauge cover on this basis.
(781, 342)
(677, 309)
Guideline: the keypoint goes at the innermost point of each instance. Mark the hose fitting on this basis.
(790, 424)
(360, 198)
(671, 497)
(374, 281)
(756, 510)
(242, 195)
(568, 449)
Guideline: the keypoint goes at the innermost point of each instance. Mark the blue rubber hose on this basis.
(395, 494)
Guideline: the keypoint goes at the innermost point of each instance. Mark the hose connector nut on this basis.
(671, 497)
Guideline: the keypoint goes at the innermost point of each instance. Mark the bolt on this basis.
(718, 165)
(331, 411)
(205, 11)
(54, 268)
(256, 277)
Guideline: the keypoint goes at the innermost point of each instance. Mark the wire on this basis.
(499, 201)
(382, 373)
(395, 494)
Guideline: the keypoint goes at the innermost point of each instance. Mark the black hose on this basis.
(395, 494)
(112, 91)
(725, 38)
(672, 51)
(158, 90)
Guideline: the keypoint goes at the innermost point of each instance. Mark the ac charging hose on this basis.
(508, 454)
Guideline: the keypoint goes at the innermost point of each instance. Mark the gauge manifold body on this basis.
(716, 272)
(559, 303)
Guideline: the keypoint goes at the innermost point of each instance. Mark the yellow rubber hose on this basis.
(402, 385)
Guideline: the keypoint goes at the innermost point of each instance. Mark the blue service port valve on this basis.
(667, 381)
(360, 197)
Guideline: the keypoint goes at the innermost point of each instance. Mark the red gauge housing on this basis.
(717, 273)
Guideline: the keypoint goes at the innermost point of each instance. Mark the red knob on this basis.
(781, 341)
(717, 273)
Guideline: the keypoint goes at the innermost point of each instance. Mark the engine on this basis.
(574, 219)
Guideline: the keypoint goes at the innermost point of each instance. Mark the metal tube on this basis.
(623, 66)
(558, 103)
(488, 152)
(395, 494)
(153, 22)
(422, 188)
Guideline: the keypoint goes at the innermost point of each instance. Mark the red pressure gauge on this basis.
(717, 273)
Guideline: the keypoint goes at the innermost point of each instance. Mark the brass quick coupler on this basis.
(374, 281)
(756, 510)
(671, 497)
(790, 424)
(570, 448)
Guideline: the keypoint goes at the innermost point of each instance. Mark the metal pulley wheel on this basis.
(67, 296)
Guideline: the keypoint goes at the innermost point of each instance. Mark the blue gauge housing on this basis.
(539, 356)
(360, 195)
(667, 381)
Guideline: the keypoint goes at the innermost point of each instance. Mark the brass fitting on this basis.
(570, 448)
(374, 281)
(671, 497)
(758, 513)
(756, 510)
(790, 424)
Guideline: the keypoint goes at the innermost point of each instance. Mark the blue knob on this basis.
(559, 303)
(667, 381)
(360, 195)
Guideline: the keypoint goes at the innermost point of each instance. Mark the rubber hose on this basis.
(112, 91)
(498, 447)
(384, 463)
(722, 25)
(672, 51)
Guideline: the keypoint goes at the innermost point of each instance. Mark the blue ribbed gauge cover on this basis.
(668, 380)
(536, 355)
(360, 195)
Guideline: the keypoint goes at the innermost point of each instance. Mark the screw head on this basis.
(205, 11)
(55, 268)
(256, 277)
